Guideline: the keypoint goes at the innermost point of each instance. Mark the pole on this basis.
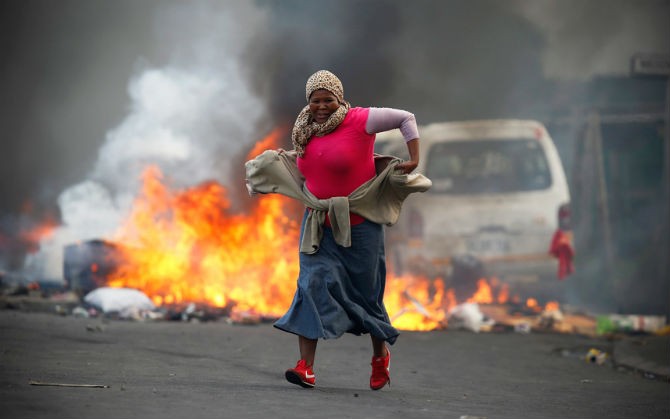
(665, 246)
(603, 196)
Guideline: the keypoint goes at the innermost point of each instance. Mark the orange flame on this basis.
(503, 294)
(417, 302)
(502, 290)
(269, 142)
(483, 294)
(185, 246)
(533, 304)
(552, 306)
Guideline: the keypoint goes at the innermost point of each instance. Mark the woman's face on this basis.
(322, 104)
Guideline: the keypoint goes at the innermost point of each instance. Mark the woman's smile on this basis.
(322, 104)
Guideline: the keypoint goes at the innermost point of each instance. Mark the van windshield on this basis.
(487, 166)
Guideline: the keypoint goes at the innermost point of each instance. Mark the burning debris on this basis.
(188, 257)
(86, 265)
(181, 247)
(195, 260)
(413, 303)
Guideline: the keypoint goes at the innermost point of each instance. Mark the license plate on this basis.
(488, 245)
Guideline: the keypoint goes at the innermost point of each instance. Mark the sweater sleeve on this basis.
(385, 119)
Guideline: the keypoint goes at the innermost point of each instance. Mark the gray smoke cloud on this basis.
(189, 118)
(448, 60)
(441, 60)
(587, 38)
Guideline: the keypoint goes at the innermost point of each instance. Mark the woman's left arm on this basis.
(413, 162)
(385, 119)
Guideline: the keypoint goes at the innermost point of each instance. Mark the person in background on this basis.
(340, 289)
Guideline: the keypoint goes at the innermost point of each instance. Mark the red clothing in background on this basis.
(561, 248)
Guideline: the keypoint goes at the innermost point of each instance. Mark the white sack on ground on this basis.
(467, 316)
(118, 299)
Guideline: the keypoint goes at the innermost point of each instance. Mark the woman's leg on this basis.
(381, 361)
(378, 347)
(303, 374)
(307, 349)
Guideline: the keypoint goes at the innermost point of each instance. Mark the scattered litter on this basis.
(119, 300)
(59, 309)
(248, 317)
(96, 328)
(190, 309)
(65, 297)
(42, 383)
(631, 323)
(468, 316)
(550, 319)
(194, 314)
(596, 356)
(650, 375)
(586, 381)
(140, 314)
(522, 327)
(80, 312)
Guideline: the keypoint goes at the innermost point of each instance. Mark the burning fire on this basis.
(182, 247)
(187, 246)
(417, 303)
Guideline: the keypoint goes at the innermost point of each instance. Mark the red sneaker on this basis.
(301, 375)
(380, 371)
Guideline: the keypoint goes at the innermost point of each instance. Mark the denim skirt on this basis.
(341, 289)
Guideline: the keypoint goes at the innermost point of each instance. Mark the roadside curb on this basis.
(649, 355)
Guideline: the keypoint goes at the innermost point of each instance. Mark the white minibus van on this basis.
(499, 193)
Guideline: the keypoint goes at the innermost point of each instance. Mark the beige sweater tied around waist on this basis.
(378, 200)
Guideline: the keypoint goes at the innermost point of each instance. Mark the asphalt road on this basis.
(218, 370)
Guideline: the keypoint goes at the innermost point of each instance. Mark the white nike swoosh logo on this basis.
(307, 375)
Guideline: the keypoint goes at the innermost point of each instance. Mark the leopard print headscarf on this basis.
(305, 127)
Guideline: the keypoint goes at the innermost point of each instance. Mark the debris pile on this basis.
(477, 314)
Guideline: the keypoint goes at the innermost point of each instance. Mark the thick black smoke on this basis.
(442, 60)
(64, 68)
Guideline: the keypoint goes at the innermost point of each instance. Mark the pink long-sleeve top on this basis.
(341, 161)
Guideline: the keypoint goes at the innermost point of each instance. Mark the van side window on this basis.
(487, 166)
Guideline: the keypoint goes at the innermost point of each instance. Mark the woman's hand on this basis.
(407, 166)
(413, 148)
